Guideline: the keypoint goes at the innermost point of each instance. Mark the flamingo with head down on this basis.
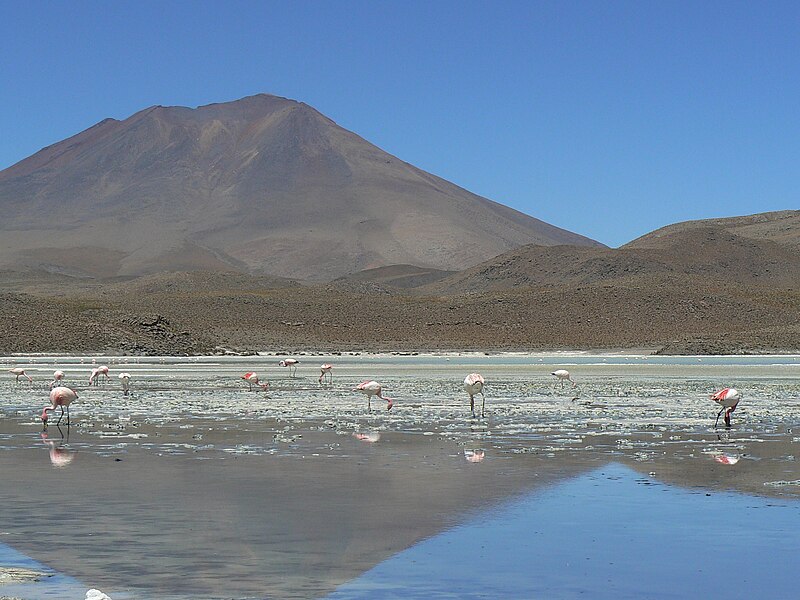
(125, 380)
(252, 378)
(17, 372)
(728, 399)
(473, 385)
(373, 388)
(94, 378)
(59, 396)
(563, 375)
(325, 373)
(57, 377)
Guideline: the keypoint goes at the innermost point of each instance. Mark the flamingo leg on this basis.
(61, 415)
(483, 405)
(472, 405)
(718, 416)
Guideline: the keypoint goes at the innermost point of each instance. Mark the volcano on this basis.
(262, 185)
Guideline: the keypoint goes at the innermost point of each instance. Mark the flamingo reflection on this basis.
(474, 456)
(59, 457)
(726, 459)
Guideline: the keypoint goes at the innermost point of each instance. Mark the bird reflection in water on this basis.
(370, 436)
(59, 456)
(474, 456)
(726, 458)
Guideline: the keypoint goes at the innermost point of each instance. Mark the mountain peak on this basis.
(263, 184)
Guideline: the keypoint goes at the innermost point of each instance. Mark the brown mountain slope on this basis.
(260, 185)
(782, 227)
(689, 257)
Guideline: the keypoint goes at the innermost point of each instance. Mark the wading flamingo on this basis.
(473, 384)
(17, 372)
(57, 377)
(563, 375)
(59, 396)
(325, 373)
(373, 388)
(125, 380)
(727, 399)
(292, 364)
(95, 376)
(252, 378)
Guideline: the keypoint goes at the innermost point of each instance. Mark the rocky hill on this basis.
(698, 256)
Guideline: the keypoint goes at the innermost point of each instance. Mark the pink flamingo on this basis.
(728, 399)
(325, 371)
(252, 378)
(57, 377)
(95, 376)
(563, 375)
(19, 373)
(59, 396)
(373, 388)
(371, 437)
(473, 384)
(292, 364)
(125, 380)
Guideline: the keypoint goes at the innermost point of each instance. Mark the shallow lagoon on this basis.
(196, 488)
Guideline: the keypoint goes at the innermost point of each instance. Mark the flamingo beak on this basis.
(389, 407)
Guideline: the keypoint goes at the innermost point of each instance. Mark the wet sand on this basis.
(196, 488)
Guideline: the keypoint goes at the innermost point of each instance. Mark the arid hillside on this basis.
(686, 258)
(262, 185)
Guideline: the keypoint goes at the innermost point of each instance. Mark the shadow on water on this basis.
(610, 533)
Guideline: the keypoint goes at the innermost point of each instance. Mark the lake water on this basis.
(194, 487)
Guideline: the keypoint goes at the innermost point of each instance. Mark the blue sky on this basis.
(609, 119)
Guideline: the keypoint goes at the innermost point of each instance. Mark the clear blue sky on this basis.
(609, 119)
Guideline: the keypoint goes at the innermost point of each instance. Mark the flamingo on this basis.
(373, 388)
(125, 380)
(325, 370)
(59, 396)
(728, 399)
(252, 378)
(563, 375)
(19, 373)
(371, 437)
(95, 376)
(292, 364)
(57, 377)
(473, 384)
